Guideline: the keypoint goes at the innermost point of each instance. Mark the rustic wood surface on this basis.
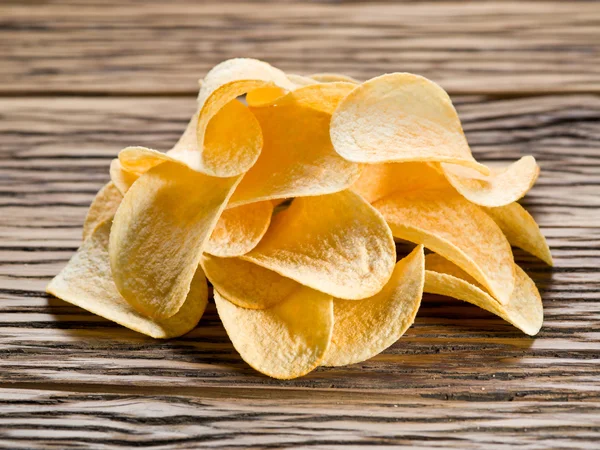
(81, 80)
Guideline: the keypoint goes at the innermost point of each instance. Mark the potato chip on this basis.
(446, 223)
(500, 188)
(229, 138)
(364, 328)
(301, 80)
(264, 96)
(285, 341)
(521, 230)
(240, 229)
(380, 180)
(159, 232)
(121, 178)
(246, 284)
(400, 117)
(87, 282)
(297, 158)
(524, 309)
(103, 207)
(327, 77)
(320, 97)
(336, 243)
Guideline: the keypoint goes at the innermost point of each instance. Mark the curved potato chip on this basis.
(524, 309)
(400, 117)
(234, 152)
(240, 229)
(336, 243)
(297, 158)
(121, 178)
(87, 282)
(320, 97)
(380, 180)
(301, 80)
(264, 96)
(460, 231)
(246, 284)
(521, 230)
(159, 232)
(103, 207)
(285, 341)
(497, 189)
(327, 77)
(364, 328)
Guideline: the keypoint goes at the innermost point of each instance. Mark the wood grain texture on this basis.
(80, 80)
(163, 47)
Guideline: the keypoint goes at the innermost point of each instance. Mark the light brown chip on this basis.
(400, 117)
(521, 230)
(460, 231)
(240, 229)
(380, 180)
(247, 284)
(285, 341)
(159, 232)
(297, 158)
(122, 179)
(336, 243)
(103, 207)
(364, 328)
(500, 188)
(327, 77)
(524, 309)
(87, 282)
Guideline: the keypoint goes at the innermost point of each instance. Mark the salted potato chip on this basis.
(336, 243)
(327, 77)
(521, 230)
(297, 157)
(400, 117)
(364, 328)
(380, 180)
(320, 97)
(285, 341)
(462, 232)
(240, 229)
(301, 80)
(500, 188)
(159, 232)
(264, 96)
(229, 140)
(103, 207)
(246, 284)
(121, 178)
(87, 282)
(524, 309)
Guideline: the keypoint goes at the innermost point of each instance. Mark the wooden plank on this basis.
(55, 154)
(32, 418)
(468, 47)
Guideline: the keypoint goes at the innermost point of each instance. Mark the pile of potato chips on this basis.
(287, 192)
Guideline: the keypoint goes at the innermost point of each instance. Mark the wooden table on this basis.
(79, 81)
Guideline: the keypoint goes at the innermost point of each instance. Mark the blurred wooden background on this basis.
(79, 80)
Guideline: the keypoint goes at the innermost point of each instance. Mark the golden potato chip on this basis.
(87, 282)
(246, 284)
(458, 230)
(327, 77)
(400, 117)
(240, 229)
(320, 97)
(301, 80)
(364, 328)
(380, 180)
(121, 178)
(229, 143)
(524, 309)
(103, 207)
(159, 232)
(336, 243)
(500, 188)
(264, 96)
(521, 230)
(297, 157)
(285, 341)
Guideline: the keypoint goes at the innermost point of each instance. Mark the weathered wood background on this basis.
(79, 80)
